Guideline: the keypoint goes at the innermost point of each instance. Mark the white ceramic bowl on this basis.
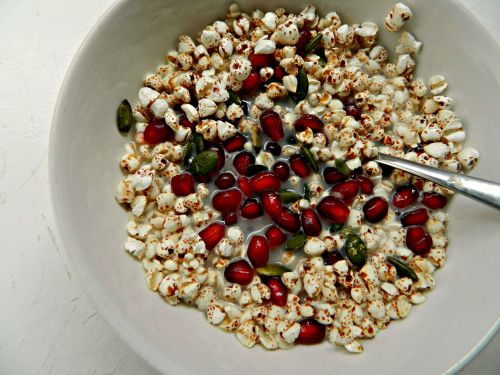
(132, 39)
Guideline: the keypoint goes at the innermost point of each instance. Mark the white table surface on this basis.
(47, 324)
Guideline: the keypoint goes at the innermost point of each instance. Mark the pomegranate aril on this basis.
(310, 222)
(274, 148)
(250, 209)
(227, 200)
(333, 209)
(279, 73)
(346, 189)
(352, 110)
(212, 234)
(375, 209)
(416, 217)
(299, 166)
(330, 258)
(204, 179)
(282, 170)
(404, 196)
(183, 121)
(287, 220)
(271, 124)
(239, 272)
(225, 180)
(242, 160)
(265, 181)
(245, 186)
(230, 218)
(259, 61)
(251, 83)
(271, 202)
(332, 175)
(434, 201)
(221, 156)
(309, 121)
(365, 184)
(418, 240)
(311, 332)
(275, 236)
(182, 184)
(279, 292)
(234, 143)
(304, 38)
(158, 131)
(258, 251)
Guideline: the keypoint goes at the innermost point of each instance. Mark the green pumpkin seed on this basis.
(342, 167)
(313, 43)
(253, 169)
(272, 270)
(255, 138)
(308, 155)
(302, 87)
(356, 251)
(124, 116)
(203, 163)
(233, 99)
(334, 228)
(307, 192)
(322, 62)
(296, 241)
(199, 143)
(288, 196)
(402, 269)
(188, 151)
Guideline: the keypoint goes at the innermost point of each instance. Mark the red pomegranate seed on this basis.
(225, 180)
(230, 218)
(274, 148)
(309, 121)
(275, 236)
(299, 166)
(416, 217)
(279, 73)
(365, 184)
(270, 121)
(332, 258)
(271, 202)
(205, 178)
(158, 131)
(251, 83)
(352, 110)
(183, 121)
(279, 292)
(227, 200)
(418, 240)
(310, 222)
(304, 38)
(239, 272)
(418, 183)
(404, 196)
(221, 156)
(287, 220)
(242, 160)
(235, 143)
(332, 175)
(259, 61)
(346, 189)
(282, 170)
(182, 184)
(258, 251)
(434, 201)
(333, 209)
(265, 181)
(212, 234)
(311, 332)
(245, 186)
(375, 209)
(250, 209)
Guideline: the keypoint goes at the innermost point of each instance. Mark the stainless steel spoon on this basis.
(486, 192)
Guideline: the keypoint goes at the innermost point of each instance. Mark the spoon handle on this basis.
(486, 192)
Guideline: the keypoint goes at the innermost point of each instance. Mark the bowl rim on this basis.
(126, 336)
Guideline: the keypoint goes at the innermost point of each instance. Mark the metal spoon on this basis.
(486, 192)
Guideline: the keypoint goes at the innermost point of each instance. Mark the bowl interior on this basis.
(131, 40)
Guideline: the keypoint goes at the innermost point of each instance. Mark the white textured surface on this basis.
(47, 325)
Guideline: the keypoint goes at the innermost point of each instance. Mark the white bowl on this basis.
(132, 39)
